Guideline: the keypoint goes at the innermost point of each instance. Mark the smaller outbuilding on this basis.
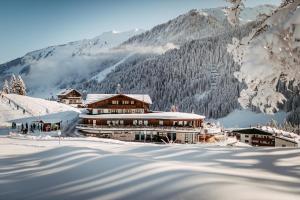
(71, 97)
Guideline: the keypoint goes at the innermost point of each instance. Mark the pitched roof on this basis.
(66, 91)
(252, 131)
(92, 98)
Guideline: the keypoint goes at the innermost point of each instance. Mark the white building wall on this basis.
(284, 143)
(246, 138)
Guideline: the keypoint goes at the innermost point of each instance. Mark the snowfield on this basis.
(36, 109)
(91, 168)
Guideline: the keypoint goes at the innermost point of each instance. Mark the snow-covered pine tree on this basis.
(5, 88)
(12, 83)
(20, 87)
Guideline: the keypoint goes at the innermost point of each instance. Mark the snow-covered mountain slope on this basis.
(184, 77)
(192, 25)
(9, 112)
(196, 24)
(47, 70)
(35, 108)
(247, 15)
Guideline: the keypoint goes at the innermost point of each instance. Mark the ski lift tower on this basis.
(214, 76)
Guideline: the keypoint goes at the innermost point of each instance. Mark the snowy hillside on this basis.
(93, 168)
(12, 107)
(196, 24)
(247, 15)
(75, 61)
(10, 112)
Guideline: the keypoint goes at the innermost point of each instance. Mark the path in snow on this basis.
(91, 168)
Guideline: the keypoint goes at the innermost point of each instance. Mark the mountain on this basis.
(47, 70)
(196, 24)
(196, 77)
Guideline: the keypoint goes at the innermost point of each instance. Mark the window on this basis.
(180, 123)
(145, 122)
(95, 111)
(125, 102)
(246, 141)
(121, 122)
(132, 102)
(246, 136)
(161, 122)
(134, 122)
(115, 102)
(140, 122)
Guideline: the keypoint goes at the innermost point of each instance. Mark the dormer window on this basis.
(125, 102)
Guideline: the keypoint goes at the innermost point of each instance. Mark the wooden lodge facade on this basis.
(255, 137)
(70, 96)
(128, 117)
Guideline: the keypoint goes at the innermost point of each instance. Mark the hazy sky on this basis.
(27, 25)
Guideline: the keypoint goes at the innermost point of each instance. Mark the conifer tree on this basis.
(22, 85)
(5, 87)
(12, 83)
(19, 86)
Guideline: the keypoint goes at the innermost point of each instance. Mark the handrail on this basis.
(9, 99)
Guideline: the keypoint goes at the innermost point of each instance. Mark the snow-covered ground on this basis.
(245, 118)
(91, 168)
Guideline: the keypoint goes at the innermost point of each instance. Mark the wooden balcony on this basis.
(90, 127)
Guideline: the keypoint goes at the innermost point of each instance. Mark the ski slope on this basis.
(35, 108)
(9, 112)
(91, 168)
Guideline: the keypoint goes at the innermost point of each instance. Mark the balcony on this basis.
(84, 127)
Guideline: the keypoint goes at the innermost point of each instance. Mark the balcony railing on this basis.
(139, 128)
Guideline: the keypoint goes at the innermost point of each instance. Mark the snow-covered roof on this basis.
(156, 115)
(285, 135)
(66, 91)
(92, 98)
(293, 140)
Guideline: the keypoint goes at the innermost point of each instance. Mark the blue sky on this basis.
(27, 25)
